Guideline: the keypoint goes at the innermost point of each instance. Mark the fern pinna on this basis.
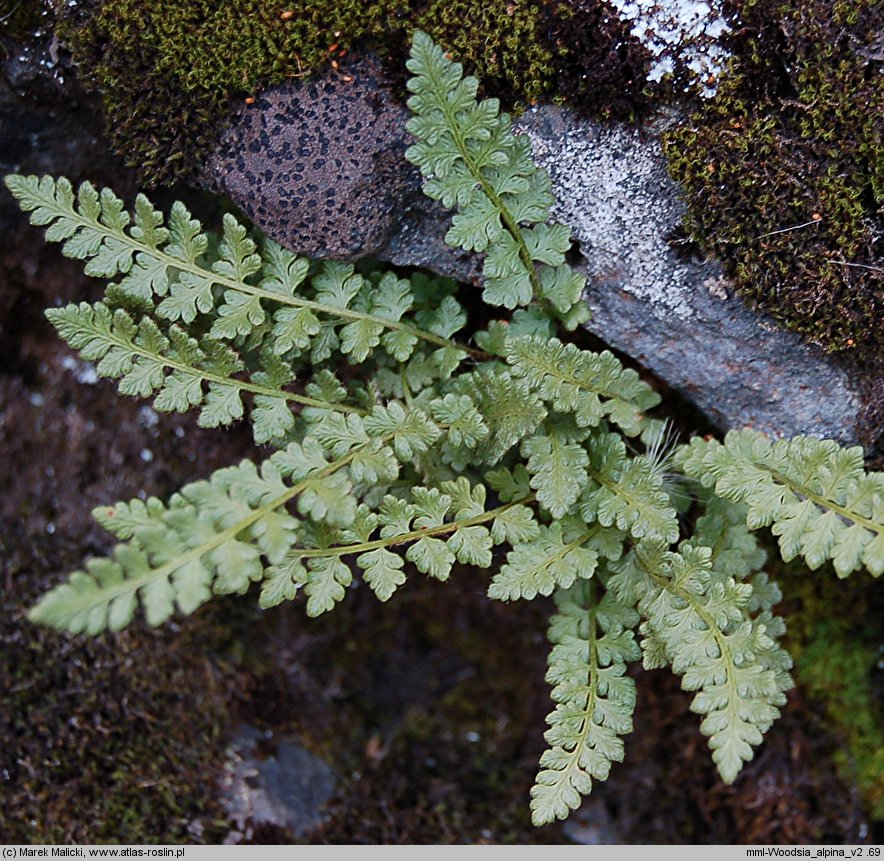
(454, 441)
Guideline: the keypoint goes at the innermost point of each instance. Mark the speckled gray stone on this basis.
(677, 317)
(277, 782)
(319, 164)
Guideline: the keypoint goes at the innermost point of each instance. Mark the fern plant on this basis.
(447, 443)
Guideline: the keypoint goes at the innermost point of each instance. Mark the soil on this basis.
(430, 709)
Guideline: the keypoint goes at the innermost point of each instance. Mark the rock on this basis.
(274, 782)
(675, 316)
(320, 165)
(678, 317)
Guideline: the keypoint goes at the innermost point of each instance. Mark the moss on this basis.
(835, 636)
(20, 18)
(784, 168)
(169, 69)
(501, 41)
(601, 68)
(117, 740)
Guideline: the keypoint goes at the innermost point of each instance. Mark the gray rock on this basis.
(679, 318)
(676, 317)
(274, 782)
(592, 825)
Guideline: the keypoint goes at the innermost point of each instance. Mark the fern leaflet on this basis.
(820, 501)
(472, 161)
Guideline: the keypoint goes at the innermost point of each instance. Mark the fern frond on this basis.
(592, 386)
(626, 492)
(433, 528)
(553, 557)
(236, 285)
(179, 372)
(558, 469)
(473, 162)
(594, 698)
(507, 407)
(208, 540)
(722, 528)
(699, 621)
(211, 537)
(816, 496)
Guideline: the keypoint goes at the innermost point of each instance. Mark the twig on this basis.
(787, 229)
(855, 265)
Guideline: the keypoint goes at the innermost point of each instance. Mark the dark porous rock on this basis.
(320, 165)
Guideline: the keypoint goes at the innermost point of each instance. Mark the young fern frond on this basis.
(592, 644)
(816, 496)
(208, 540)
(626, 492)
(212, 535)
(554, 557)
(180, 372)
(241, 288)
(473, 162)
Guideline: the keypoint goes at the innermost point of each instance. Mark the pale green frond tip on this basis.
(594, 699)
(815, 495)
(472, 162)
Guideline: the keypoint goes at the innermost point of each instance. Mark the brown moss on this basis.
(601, 68)
(784, 169)
(20, 18)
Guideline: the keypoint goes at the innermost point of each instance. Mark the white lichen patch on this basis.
(612, 188)
(682, 35)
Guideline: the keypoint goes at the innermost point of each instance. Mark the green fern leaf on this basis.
(592, 386)
(594, 700)
(626, 492)
(553, 558)
(817, 497)
(558, 471)
(382, 571)
(507, 407)
(179, 265)
(431, 556)
(701, 620)
(282, 582)
(412, 430)
(212, 538)
(326, 584)
(472, 161)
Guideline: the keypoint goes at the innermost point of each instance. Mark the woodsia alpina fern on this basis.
(451, 442)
